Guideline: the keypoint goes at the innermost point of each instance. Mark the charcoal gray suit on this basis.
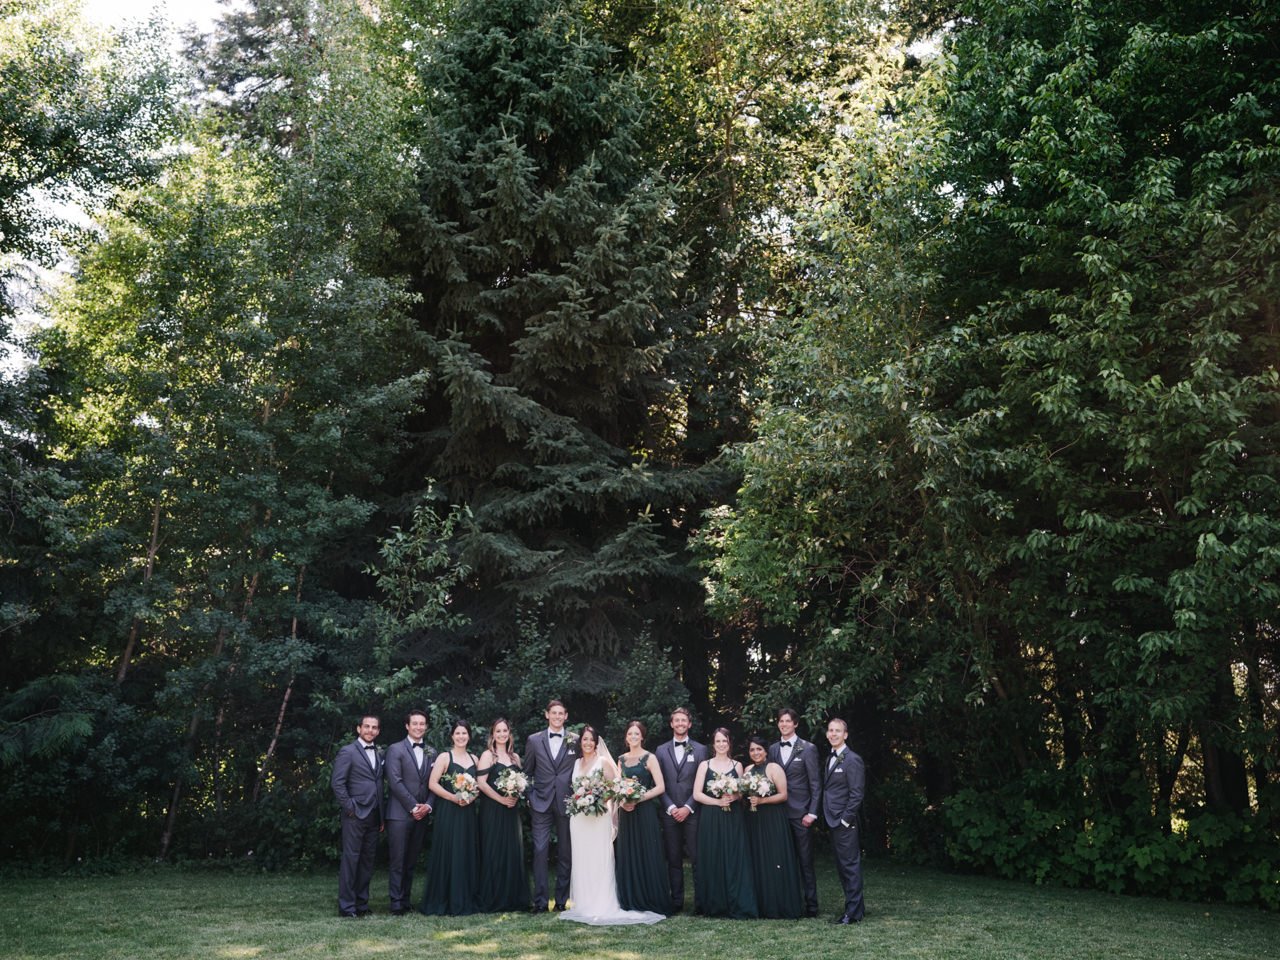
(844, 786)
(679, 839)
(407, 786)
(551, 783)
(804, 795)
(357, 785)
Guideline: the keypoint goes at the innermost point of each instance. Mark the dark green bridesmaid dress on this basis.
(723, 876)
(504, 884)
(453, 867)
(775, 869)
(640, 861)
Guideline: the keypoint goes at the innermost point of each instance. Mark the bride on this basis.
(593, 889)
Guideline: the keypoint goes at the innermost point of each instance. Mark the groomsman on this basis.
(408, 768)
(549, 757)
(357, 784)
(678, 760)
(844, 785)
(799, 761)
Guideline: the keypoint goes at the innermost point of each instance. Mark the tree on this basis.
(539, 248)
(1017, 468)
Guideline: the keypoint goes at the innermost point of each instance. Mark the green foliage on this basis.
(541, 248)
(1039, 828)
(1015, 478)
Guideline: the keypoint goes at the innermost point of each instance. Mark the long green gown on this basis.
(775, 869)
(725, 886)
(453, 869)
(640, 858)
(504, 883)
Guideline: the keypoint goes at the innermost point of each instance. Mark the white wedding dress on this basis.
(593, 887)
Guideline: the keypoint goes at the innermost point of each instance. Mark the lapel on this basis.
(564, 751)
(794, 750)
(831, 768)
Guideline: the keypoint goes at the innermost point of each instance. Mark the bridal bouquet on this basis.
(464, 787)
(756, 784)
(511, 783)
(724, 785)
(590, 796)
(628, 790)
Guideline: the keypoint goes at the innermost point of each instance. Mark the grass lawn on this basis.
(911, 912)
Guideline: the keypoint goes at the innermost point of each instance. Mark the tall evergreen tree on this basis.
(540, 250)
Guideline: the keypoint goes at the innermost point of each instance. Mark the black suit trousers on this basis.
(803, 837)
(848, 851)
(680, 841)
(359, 847)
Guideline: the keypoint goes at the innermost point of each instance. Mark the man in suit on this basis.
(357, 783)
(799, 761)
(548, 763)
(678, 760)
(843, 788)
(408, 768)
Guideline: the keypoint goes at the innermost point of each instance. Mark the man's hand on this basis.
(808, 820)
(680, 815)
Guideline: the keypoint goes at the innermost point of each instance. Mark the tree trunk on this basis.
(135, 626)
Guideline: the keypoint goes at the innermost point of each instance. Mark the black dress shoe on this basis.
(535, 909)
(811, 912)
(399, 912)
(676, 908)
(846, 919)
(560, 906)
(346, 916)
(364, 913)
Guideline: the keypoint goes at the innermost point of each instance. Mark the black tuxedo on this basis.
(804, 795)
(357, 785)
(407, 786)
(551, 782)
(844, 785)
(679, 839)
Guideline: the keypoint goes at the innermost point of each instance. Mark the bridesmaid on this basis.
(504, 884)
(453, 875)
(641, 861)
(722, 877)
(775, 869)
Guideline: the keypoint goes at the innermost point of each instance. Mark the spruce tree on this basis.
(541, 256)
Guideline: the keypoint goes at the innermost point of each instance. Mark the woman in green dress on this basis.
(641, 863)
(723, 879)
(504, 883)
(775, 869)
(453, 874)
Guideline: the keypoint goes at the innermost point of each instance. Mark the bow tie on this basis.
(557, 734)
(370, 746)
(419, 746)
(682, 743)
(788, 743)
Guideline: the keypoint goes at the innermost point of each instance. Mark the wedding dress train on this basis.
(593, 887)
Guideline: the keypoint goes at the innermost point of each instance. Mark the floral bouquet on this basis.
(724, 785)
(590, 796)
(511, 783)
(628, 790)
(464, 787)
(757, 784)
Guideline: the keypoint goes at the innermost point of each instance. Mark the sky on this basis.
(178, 12)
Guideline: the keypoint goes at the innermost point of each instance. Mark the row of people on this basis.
(752, 858)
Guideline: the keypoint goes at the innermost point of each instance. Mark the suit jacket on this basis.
(356, 784)
(551, 780)
(804, 782)
(405, 782)
(843, 787)
(677, 778)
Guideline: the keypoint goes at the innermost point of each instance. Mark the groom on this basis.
(549, 756)
(678, 760)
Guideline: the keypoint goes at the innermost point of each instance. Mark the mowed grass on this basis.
(911, 913)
